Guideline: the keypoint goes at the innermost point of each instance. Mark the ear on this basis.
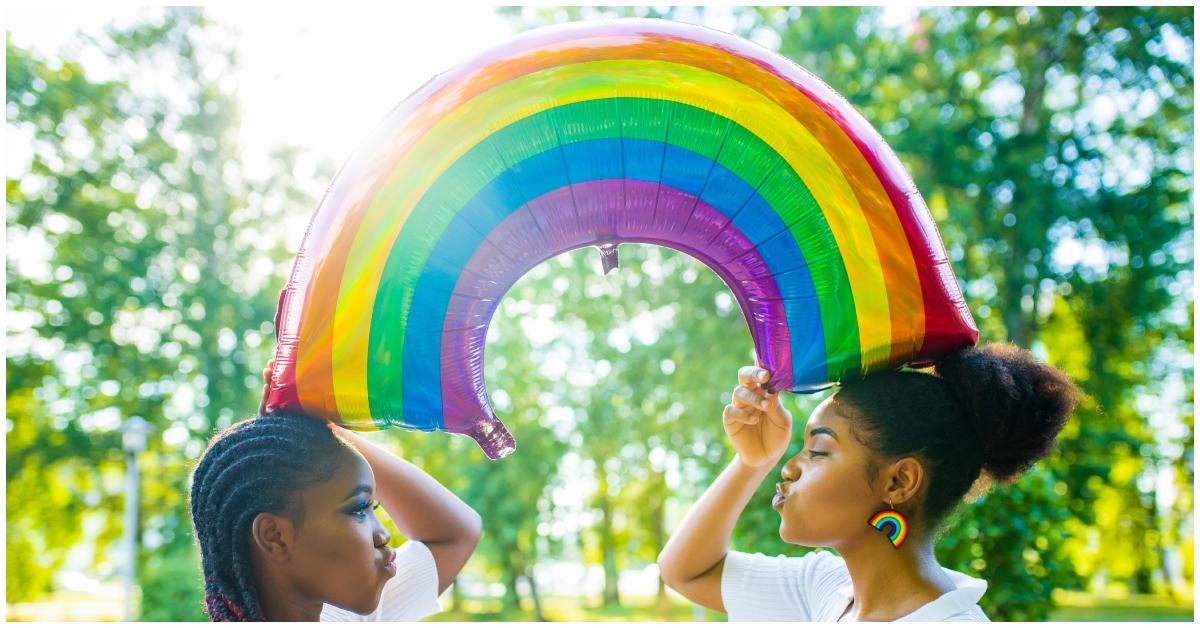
(274, 535)
(903, 480)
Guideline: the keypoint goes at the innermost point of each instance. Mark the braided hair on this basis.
(254, 466)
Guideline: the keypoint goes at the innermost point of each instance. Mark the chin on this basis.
(787, 534)
(378, 596)
(366, 607)
(793, 533)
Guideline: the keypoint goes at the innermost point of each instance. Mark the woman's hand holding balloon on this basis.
(262, 405)
(755, 421)
(421, 508)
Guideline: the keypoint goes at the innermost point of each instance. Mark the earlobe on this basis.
(272, 535)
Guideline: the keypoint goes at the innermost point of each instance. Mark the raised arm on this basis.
(423, 509)
(759, 428)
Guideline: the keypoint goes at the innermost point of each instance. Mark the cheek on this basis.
(339, 565)
(828, 497)
(823, 482)
(339, 547)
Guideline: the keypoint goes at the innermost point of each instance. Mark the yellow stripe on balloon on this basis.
(465, 126)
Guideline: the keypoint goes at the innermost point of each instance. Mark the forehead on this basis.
(825, 415)
(351, 471)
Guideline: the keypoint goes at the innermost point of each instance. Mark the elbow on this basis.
(678, 571)
(472, 528)
(667, 568)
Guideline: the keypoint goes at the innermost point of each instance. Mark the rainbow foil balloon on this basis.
(598, 133)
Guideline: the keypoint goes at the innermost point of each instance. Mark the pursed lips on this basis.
(389, 557)
(780, 495)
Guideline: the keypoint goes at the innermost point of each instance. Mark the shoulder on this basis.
(759, 587)
(411, 595)
(803, 570)
(975, 613)
(960, 604)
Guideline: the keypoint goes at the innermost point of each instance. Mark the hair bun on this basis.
(1016, 404)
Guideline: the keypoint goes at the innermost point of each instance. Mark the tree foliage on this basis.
(1053, 145)
(139, 284)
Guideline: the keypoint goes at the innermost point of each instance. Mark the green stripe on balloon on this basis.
(682, 125)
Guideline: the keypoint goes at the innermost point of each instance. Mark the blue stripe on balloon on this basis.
(596, 160)
(590, 160)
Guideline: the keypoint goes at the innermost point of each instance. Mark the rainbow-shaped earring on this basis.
(893, 523)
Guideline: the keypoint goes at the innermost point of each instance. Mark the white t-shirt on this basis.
(817, 587)
(410, 595)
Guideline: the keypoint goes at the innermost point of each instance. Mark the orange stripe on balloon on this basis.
(905, 301)
(314, 354)
(898, 266)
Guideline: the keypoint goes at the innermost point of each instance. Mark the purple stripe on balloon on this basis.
(548, 226)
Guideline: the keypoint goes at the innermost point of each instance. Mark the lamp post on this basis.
(133, 441)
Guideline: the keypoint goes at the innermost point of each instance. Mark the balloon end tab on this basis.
(608, 257)
(492, 437)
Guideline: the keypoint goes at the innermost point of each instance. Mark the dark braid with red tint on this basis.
(254, 466)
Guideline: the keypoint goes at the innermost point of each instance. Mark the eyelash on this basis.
(360, 510)
(814, 454)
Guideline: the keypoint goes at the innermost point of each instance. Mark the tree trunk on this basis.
(512, 599)
(533, 595)
(455, 597)
(1021, 325)
(519, 562)
(659, 536)
(608, 547)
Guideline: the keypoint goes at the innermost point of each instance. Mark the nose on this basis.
(381, 535)
(791, 469)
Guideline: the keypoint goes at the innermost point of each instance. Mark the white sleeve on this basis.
(411, 595)
(755, 587)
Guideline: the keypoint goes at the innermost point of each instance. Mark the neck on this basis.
(890, 582)
(279, 601)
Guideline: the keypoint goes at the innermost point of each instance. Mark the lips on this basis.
(779, 497)
(389, 561)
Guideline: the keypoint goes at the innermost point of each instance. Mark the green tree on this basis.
(153, 297)
(1053, 145)
(1036, 133)
(1091, 151)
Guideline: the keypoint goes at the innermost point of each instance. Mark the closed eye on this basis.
(359, 511)
(814, 454)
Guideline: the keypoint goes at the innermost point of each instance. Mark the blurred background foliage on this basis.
(1053, 145)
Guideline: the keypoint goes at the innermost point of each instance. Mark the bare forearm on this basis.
(422, 508)
(702, 540)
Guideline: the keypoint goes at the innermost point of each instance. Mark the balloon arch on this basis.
(599, 133)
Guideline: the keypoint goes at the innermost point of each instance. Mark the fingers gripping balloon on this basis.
(600, 133)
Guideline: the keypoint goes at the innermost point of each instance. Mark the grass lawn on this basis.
(1079, 606)
(1073, 606)
(573, 609)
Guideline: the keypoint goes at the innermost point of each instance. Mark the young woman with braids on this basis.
(283, 507)
(887, 458)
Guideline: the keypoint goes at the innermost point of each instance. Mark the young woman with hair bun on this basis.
(886, 459)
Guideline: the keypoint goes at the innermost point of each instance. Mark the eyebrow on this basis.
(361, 488)
(822, 430)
